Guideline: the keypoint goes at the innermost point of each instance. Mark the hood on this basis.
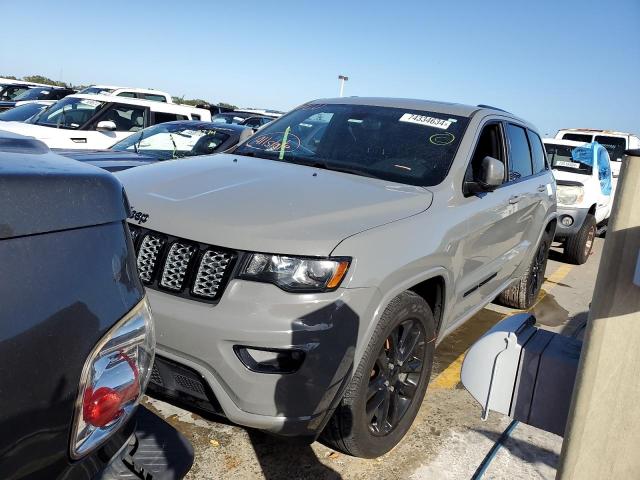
(570, 176)
(263, 205)
(29, 129)
(104, 155)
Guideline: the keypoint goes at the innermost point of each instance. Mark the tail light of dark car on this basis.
(113, 380)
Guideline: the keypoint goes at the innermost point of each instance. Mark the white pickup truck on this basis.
(99, 121)
(585, 193)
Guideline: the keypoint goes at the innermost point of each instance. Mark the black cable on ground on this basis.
(494, 450)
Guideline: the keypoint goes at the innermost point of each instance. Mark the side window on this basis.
(127, 94)
(161, 117)
(128, 118)
(519, 154)
(537, 151)
(614, 145)
(153, 97)
(490, 144)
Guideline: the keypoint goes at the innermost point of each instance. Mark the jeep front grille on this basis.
(182, 267)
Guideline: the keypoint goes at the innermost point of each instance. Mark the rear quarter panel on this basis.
(60, 292)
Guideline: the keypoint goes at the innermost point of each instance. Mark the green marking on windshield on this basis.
(284, 143)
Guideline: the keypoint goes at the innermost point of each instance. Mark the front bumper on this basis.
(577, 214)
(197, 363)
(156, 451)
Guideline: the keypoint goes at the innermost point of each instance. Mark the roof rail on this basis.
(493, 108)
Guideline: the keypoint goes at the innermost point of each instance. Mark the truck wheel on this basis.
(388, 387)
(524, 292)
(579, 245)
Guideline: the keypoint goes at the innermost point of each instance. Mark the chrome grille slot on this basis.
(185, 268)
(211, 273)
(176, 264)
(148, 256)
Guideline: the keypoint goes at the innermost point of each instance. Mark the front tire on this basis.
(523, 293)
(387, 389)
(578, 246)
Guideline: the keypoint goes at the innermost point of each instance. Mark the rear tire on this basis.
(579, 245)
(387, 389)
(523, 293)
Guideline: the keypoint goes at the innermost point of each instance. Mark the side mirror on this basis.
(106, 126)
(492, 173)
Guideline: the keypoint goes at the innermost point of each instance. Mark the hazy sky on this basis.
(555, 63)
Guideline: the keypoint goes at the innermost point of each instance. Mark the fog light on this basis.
(270, 360)
(566, 220)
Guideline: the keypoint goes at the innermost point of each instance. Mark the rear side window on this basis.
(577, 137)
(614, 145)
(519, 154)
(161, 117)
(537, 152)
(127, 94)
(153, 97)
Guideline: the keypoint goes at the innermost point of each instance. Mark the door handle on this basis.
(514, 199)
(542, 188)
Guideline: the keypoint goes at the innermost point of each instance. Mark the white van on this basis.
(130, 92)
(98, 121)
(584, 193)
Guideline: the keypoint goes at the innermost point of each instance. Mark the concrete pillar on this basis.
(602, 438)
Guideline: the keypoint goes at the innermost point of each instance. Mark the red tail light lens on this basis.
(113, 380)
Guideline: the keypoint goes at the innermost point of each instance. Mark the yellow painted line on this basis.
(450, 376)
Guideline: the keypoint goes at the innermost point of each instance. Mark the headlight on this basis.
(296, 274)
(569, 194)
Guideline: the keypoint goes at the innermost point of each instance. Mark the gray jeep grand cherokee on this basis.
(301, 282)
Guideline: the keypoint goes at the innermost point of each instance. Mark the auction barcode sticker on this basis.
(426, 121)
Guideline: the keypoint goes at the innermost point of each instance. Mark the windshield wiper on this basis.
(136, 145)
(331, 166)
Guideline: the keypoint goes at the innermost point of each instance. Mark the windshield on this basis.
(70, 112)
(33, 94)
(561, 158)
(405, 146)
(97, 90)
(229, 118)
(21, 112)
(614, 145)
(166, 140)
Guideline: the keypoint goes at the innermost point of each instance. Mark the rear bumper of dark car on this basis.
(156, 451)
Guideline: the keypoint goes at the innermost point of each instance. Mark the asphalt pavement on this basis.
(448, 439)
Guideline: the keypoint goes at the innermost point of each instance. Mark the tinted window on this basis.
(577, 137)
(161, 117)
(153, 97)
(127, 94)
(614, 145)
(11, 92)
(519, 154)
(35, 94)
(406, 146)
(537, 151)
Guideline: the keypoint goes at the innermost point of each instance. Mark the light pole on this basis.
(342, 79)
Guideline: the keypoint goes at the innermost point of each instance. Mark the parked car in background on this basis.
(615, 142)
(214, 109)
(10, 88)
(24, 111)
(77, 339)
(98, 121)
(242, 118)
(141, 93)
(585, 193)
(37, 93)
(301, 282)
(166, 141)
